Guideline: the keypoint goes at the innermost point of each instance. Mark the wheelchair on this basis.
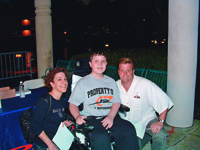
(81, 132)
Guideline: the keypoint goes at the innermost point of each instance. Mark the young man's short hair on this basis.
(97, 53)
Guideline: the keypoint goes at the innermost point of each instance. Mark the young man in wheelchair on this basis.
(100, 97)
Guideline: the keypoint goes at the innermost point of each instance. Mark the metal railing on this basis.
(15, 64)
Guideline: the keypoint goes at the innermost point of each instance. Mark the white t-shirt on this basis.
(144, 98)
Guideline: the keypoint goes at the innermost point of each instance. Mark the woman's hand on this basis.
(107, 122)
(47, 141)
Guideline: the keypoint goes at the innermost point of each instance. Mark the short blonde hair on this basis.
(125, 61)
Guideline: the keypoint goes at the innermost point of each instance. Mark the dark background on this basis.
(120, 23)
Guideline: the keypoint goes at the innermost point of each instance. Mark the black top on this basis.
(48, 122)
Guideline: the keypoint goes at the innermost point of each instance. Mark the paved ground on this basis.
(182, 138)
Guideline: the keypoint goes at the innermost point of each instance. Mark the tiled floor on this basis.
(182, 138)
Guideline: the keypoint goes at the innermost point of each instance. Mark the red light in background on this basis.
(65, 32)
(26, 22)
(90, 49)
(28, 64)
(26, 32)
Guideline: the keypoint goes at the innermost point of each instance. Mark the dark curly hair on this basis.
(50, 76)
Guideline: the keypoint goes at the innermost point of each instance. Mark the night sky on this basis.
(121, 23)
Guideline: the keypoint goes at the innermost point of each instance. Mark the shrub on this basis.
(154, 57)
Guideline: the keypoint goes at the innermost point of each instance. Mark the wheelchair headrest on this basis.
(83, 64)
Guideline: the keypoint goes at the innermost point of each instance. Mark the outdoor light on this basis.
(18, 55)
(152, 41)
(106, 45)
(65, 32)
(26, 32)
(26, 22)
(155, 42)
(18, 62)
(162, 42)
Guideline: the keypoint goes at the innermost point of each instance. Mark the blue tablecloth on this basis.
(10, 132)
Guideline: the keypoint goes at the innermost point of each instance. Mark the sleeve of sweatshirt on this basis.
(38, 116)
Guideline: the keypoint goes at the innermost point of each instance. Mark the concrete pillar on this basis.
(182, 60)
(43, 25)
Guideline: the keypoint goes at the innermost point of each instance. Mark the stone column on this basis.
(43, 25)
(182, 60)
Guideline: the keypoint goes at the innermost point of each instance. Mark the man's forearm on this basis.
(163, 115)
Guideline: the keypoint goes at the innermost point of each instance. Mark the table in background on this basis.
(10, 132)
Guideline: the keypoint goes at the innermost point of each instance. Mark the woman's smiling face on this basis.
(60, 83)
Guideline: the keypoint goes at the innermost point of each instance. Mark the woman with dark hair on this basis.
(50, 112)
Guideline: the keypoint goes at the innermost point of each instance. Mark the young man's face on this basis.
(126, 72)
(98, 64)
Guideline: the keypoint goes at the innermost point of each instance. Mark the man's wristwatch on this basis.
(161, 120)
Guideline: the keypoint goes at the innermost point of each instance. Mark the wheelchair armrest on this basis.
(84, 128)
(124, 109)
(69, 116)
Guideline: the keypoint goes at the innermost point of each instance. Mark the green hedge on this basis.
(153, 57)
